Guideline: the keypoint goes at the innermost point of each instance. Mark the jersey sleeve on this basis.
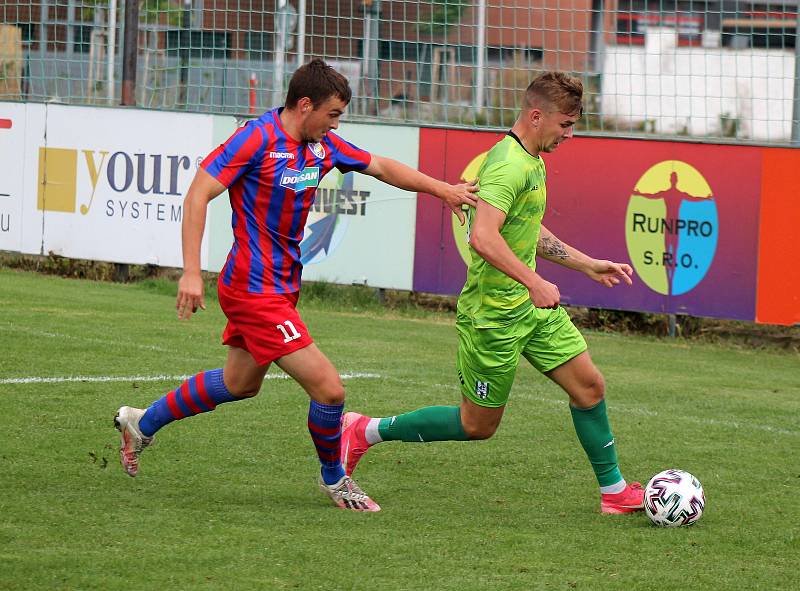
(348, 157)
(500, 183)
(233, 158)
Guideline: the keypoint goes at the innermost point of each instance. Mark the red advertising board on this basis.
(779, 249)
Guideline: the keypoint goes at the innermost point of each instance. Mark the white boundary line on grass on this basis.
(59, 335)
(161, 378)
(634, 410)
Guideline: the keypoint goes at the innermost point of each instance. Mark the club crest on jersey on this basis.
(317, 149)
(297, 180)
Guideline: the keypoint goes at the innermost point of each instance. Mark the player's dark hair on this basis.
(318, 81)
(556, 90)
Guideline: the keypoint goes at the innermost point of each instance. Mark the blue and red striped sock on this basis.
(200, 393)
(324, 424)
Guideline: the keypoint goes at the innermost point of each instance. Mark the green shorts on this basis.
(488, 357)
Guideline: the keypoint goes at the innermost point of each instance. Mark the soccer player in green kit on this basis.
(506, 309)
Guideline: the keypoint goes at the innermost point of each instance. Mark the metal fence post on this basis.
(184, 52)
(112, 49)
(130, 52)
(480, 66)
(370, 72)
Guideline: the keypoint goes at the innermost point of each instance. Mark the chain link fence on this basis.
(665, 68)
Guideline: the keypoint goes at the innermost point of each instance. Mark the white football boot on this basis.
(132, 442)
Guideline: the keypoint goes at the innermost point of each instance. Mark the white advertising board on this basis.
(12, 173)
(108, 184)
(218, 223)
(359, 230)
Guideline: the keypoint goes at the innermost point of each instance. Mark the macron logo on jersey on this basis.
(298, 180)
(282, 155)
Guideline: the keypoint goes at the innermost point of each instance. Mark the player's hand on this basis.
(544, 294)
(190, 295)
(458, 196)
(609, 273)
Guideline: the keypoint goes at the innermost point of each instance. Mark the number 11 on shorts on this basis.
(288, 335)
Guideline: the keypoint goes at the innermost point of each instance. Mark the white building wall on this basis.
(694, 90)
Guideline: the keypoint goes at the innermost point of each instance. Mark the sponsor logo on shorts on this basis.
(297, 180)
(481, 389)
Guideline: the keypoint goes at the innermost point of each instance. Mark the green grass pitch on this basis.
(228, 500)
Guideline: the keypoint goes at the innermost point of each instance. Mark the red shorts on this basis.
(266, 326)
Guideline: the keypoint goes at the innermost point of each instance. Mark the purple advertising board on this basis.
(684, 216)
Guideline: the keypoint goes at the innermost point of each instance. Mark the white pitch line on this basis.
(162, 378)
(58, 335)
(627, 409)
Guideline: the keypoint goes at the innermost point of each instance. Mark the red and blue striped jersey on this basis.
(272, 180)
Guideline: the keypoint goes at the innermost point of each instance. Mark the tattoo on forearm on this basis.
(550, 246)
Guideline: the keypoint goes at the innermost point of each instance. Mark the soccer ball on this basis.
(673, 498)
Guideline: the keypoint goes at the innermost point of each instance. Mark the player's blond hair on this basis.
(555, 90)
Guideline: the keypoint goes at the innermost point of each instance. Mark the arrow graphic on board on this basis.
(320, 239)
(322, 231)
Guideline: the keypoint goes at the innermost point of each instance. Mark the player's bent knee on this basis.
(243, 384)
(591, 393)
(477, 432)
(329, 393)
(244, 390)
(598, 388)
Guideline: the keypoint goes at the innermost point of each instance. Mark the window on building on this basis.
(632, 26)
(28, 32)
(760, 28)
(207, 44)
(82, 38)
(258, 44)
(506, 55)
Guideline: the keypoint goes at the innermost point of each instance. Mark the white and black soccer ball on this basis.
(673, 498)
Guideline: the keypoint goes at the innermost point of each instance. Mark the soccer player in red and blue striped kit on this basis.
(271, 168)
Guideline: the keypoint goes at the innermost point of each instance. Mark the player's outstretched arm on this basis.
(404, 177)
(203, 189)
(605, 272)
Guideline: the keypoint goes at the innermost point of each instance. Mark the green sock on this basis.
(594, 433)
(432, 423)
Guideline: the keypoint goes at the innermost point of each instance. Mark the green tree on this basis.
(445, 14)
(149, 10)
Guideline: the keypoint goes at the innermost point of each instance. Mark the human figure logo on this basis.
(671, 227)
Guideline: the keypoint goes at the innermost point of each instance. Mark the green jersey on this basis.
(513, 181)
